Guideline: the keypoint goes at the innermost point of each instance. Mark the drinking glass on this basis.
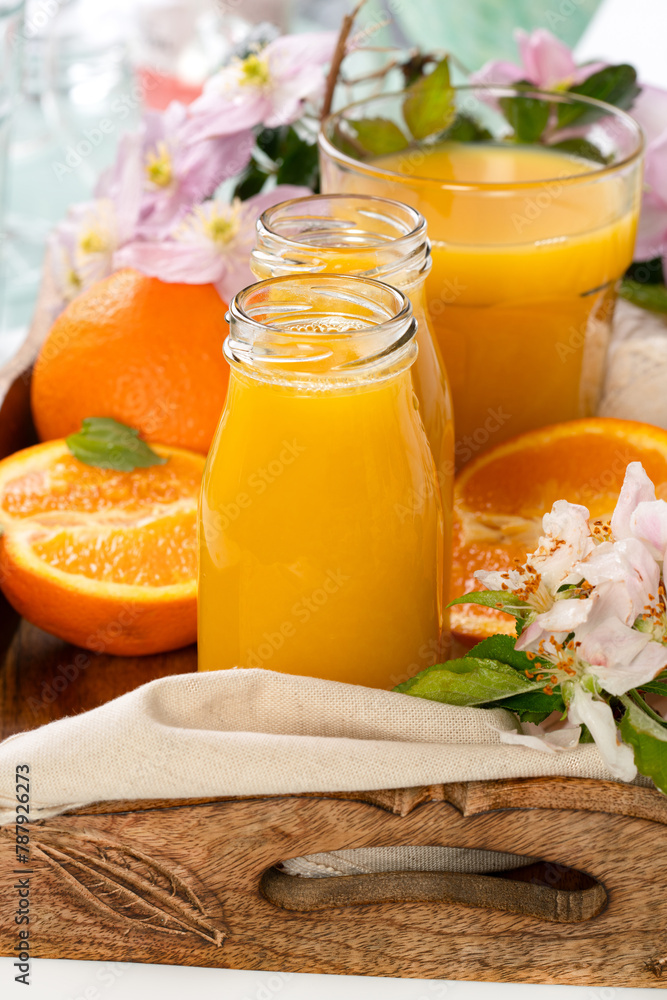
(529, 241)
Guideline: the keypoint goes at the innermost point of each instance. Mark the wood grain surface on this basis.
(181, 885)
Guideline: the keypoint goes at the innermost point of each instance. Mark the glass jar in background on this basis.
(180, 43)
(308, 562)
(529, 241)
(11, 51)
(372, 238)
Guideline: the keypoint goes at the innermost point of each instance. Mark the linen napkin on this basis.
(257, 732)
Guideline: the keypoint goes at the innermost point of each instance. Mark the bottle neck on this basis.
(333, 332)
(343, 234)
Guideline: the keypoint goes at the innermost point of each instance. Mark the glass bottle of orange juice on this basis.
(375, 238)
(309, 563)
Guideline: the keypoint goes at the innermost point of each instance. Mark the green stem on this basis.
(639, 701)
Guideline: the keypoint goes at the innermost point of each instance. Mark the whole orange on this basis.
(140, 350)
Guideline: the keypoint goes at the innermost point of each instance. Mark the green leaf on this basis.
(468, 681)
(251, 181)
(582, 148)
(656, 687)
(615, 85)
(429, 105)
(466, 129)
(532, 706)
(652, 297)
(501, 647)
(501, 600)
(299, 162)
(647, 272)
(270, 140)
(648, 739)
(379, 136)
(106, 444)
(528, 116)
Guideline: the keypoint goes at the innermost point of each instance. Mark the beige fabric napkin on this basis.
(256, 732)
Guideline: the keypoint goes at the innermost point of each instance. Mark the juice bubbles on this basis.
(385, 240)
(309, 563)
(528, 245)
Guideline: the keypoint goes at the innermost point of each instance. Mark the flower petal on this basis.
(171, 260)
(546, 60)
(652, 231)
(494, 579)
(629, 564)
(567, 541)
(656, 167)
(648, 523)
(498, 72)
(585, 710)
(216, 114)
(637, 487)
(650, 110)
(536, 738)
(620, 657)
(563, 617)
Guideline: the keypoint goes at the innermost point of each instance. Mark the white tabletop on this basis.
(52, 980)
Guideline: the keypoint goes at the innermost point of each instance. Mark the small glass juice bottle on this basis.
(385, 240)
(321, 516)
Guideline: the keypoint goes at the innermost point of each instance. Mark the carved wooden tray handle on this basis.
(522, 891)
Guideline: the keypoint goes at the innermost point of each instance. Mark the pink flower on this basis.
(636, 488)
(620, 657)
(82, 246)
(171, 173)
(212, 243)
(546, 62)
(638, 516)
(567, 540)
(268, 87)
(650, 110)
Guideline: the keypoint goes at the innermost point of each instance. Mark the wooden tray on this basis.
(195, 882)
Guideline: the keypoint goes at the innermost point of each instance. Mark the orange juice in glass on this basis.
(308, 562)
(528, 242)
(374, 238)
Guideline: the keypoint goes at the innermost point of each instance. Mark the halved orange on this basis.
(103, 559)
(501, 496)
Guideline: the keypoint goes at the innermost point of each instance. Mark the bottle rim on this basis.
(306, 227)
(328, 330)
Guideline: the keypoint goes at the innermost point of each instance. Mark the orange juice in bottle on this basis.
(321, 518)
(381, 239)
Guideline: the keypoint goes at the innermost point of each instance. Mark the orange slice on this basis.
(103, 559)
(501, 496)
